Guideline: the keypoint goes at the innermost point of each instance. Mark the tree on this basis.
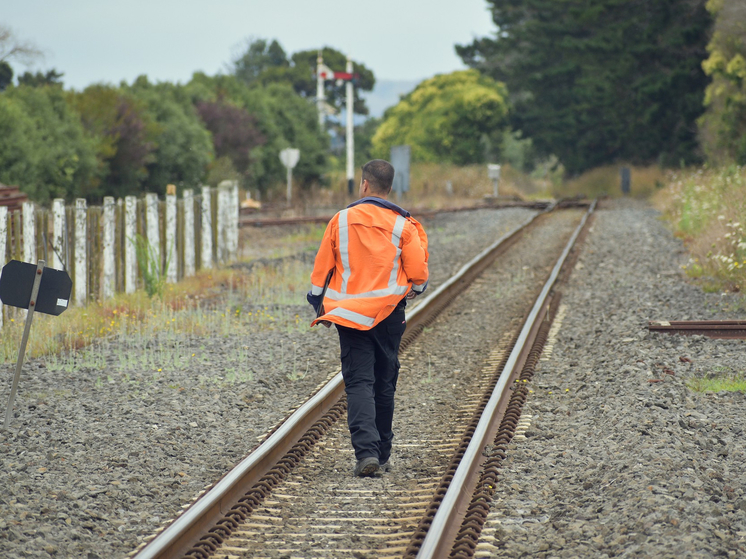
(283, 118)
(599, 81)
(43, 147)
(125, 137)
(305, 62)
(183, 146)
(263, 64)
(259, 57)
(235, 132)
(13, 48)
(446, 118)
(52, 77)
(6, 75)
(723, 126)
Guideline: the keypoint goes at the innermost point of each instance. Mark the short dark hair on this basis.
(380, 175)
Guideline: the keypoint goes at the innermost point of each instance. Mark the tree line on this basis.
(109, 140)
(588, 83)
(576, 83)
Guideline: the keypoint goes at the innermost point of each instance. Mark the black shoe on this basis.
(386, 466)
(366, 467)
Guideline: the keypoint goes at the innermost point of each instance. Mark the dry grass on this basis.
(428, 189)
(606, 181)
(213, 302)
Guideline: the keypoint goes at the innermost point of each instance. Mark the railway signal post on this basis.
(35, 288)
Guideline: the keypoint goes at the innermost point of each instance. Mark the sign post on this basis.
(27, 286)
(493, 172)
(289, 158)
(400, 157)
(350, 130)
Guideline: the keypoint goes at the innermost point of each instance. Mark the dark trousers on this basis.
(370, 368)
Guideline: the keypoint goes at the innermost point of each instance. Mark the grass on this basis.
(717, 382)
(606, 181)
(706, 208)
(218, 302)
(428, 188)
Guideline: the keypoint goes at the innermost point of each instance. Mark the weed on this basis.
(735, 382)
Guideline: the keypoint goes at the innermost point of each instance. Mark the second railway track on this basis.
(317, 509)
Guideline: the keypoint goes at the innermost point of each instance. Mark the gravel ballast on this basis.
(612, 464)
(622, 459)
(96, 459)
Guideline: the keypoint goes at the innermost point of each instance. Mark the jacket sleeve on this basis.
(325, 259)
(414, 256)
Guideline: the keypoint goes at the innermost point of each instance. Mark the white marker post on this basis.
(320, 89)
(289, 158)
(107, 286)
(81, 251)
(493, 172)
(189, 233)
(130, 253)
(350, 130)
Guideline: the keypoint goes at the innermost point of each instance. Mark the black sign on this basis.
(17, 281)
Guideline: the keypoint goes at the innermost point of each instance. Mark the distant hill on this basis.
(386, 93)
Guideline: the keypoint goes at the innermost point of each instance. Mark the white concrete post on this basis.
(222, 221)
(172, 257)
(153, 228)
(58, 238)
(206, 263)
(350, 131)
(81, 251)
(320, 90)
(130, 256)
(234, 212)
(109, 258)
(3, 247)
(29, 233)
(188, 233)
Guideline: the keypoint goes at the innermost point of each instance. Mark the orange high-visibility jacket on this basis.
(377, 255)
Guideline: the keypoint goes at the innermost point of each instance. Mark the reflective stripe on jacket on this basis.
(377, 255)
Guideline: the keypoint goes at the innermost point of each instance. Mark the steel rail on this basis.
(246, 218)
(723, 329)
(436, 544)
(186, 529)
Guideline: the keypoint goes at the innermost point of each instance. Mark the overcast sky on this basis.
(104, 41)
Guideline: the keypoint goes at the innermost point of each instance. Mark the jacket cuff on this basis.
(419, 288)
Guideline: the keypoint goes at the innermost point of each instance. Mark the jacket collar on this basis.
(381, 203)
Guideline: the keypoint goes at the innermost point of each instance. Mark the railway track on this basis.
(252, 219)
(294, 496)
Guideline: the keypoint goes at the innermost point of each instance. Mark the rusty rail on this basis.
(723, 329)
(201, 528)
(443, 528)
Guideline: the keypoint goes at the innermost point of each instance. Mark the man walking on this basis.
(377, 255)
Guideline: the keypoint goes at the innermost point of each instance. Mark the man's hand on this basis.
(412, 294)
(315, 301)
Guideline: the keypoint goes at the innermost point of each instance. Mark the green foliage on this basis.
(445, 119)
(124, 135)
(283, 118)
(6, 75)
(183, 147)
(723, 125)
(266, 63)
(597, 82)
(259, 57)
(719, 381)
(52, 77)
(43, 147)
(150, 267)
(305, 61)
